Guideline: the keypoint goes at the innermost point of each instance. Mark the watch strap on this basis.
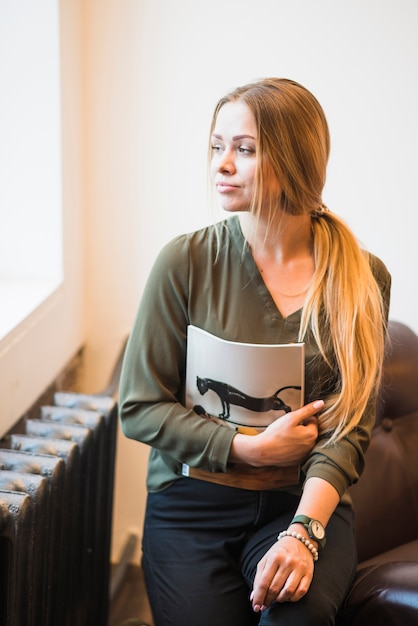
(301, 519)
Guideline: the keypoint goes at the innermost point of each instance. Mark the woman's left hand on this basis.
(284, 574)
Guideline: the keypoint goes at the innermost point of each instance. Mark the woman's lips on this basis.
(226, 187)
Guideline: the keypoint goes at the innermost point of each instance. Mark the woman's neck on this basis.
(283, 257)
(288, 239)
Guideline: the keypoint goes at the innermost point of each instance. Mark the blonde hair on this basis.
(343, 309)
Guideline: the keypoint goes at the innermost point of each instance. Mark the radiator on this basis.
(56, 496)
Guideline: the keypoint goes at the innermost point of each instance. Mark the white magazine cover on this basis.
(246, 386)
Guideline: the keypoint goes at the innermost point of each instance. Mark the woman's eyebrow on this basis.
(235, 138)
(239, 137)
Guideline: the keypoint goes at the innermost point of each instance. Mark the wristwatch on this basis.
(315, 529)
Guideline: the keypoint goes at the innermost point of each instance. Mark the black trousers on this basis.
(201, 546)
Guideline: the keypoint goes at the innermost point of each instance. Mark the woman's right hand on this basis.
(287, 441)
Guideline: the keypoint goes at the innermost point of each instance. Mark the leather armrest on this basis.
(385, 594)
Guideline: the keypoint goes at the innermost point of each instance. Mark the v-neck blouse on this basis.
(209, 278)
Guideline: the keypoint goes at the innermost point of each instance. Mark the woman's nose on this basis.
(226, 163)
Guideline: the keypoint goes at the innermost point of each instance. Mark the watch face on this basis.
(317, 529)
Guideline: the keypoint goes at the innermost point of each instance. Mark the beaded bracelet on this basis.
(306, 542)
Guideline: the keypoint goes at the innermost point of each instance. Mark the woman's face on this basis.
(234, 158)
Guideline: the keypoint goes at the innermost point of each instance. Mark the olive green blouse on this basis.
(209, 279)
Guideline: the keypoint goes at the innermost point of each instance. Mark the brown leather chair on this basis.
(385, 591)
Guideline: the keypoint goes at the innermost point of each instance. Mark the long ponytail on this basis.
(346, 296)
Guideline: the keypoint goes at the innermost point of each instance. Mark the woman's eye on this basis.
(246, 150)
(216, 147)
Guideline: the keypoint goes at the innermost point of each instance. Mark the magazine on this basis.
(242, 385)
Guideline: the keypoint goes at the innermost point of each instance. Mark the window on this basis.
(41, 227)
(30, 158)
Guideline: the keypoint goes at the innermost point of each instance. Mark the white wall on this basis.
(157, 69)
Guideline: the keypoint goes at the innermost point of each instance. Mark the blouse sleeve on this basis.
(151, 396)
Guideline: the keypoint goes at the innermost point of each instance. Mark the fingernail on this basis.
(256, 608)
(318, 404)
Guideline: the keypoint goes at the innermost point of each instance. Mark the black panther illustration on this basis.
(230, 395)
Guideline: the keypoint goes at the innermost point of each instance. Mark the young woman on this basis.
(282, 268)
